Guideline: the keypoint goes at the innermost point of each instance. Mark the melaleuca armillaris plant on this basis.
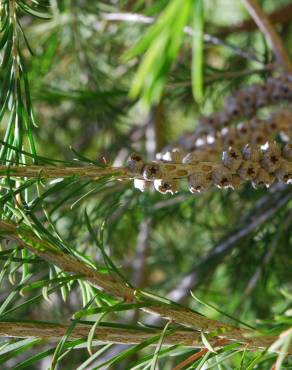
(95, 274)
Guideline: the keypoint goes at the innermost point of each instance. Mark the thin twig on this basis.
(138, 18)
(173, 312)
(264, 24)
(102, 334)
(57, 172)
(279, 16)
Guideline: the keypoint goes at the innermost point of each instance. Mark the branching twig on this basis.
(138, 18)
(175, 313)
(267, 29)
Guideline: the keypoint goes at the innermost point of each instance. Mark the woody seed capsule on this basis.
(135, 163)
(199, 182)
(248, 170)
(284, 173)
(252, 153)
(222, 177)
(166, 185)
(287, 151)
(271, 158)
(152, 171)
(263, 179)
(232, 159)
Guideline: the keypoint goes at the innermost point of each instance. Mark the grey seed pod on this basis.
(142, 185)
(246, 101)
(284, 173)
(263, 94)
(230, 138)
(248, 170)
(199, 182)
(232, 159)
(243, 131)
(222, 177)
(256, 123)
(152, 171)
(287, 152)
(286, 90)
(272, 125)
(232, 107)
(166, 185)
(263, 179)
(252, 153)
(135, 163)
(209, 121)
(276, 94)
(272, 157)
(258, 137)
(222, 118)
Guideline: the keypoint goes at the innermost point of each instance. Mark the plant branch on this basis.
(168, 310)
(103, 334)
(138, 18)
(279, 16)
(56, 172)
(265, 25)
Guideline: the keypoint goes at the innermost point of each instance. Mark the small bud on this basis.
(222, 177)
(284, 173)
(152, 171)
(248, 170)
(135, 163)
(199, 182)
(165, 186)
(252, 153)
(232, 159)
(263, 179)
(287, 151)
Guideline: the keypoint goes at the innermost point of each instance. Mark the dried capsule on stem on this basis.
(232, 158)
(135, 163)
(248, 170)
(152, 171)
(222, 177)
(272, 157)
(166, 185)
(263, 179)
(252, 153)
(284, 173)
(287, 151)
(199, 182)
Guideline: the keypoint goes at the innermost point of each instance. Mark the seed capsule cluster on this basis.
(261, 165)
(246, 101)
(255, 131)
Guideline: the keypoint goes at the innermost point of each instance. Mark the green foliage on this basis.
(69, 67)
